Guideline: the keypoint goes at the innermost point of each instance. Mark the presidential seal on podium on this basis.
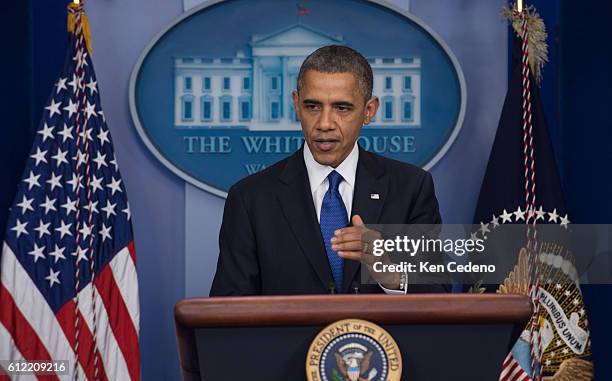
(353, 350)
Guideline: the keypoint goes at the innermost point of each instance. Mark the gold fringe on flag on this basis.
(72, 22)
(537, 48)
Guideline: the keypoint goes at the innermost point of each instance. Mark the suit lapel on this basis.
(297, 205)
(370, 181)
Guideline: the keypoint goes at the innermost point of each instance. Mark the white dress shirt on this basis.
(319, 184)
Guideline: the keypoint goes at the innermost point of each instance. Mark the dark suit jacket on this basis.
(270, 240)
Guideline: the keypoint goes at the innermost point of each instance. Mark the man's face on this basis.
(332, 110)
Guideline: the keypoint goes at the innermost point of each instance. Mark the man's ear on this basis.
(296, 103)
(370, 109)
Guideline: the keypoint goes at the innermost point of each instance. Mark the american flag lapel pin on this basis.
(374, 196)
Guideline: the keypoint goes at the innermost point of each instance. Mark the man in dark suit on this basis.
(286, 229)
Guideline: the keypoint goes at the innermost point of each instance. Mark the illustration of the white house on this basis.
(255, 92)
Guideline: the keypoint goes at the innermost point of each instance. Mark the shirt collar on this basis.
(317, 173)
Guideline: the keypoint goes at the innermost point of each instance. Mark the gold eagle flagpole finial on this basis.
(536, 32)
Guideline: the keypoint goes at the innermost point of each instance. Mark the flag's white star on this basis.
(548, 362)
(53, 277)
(581, 312)
(109, 209)
(80, 254)
(66, 133)
(58, 253)
(85, 231)
(105, 232)
(83, 61)
(48, 205)
(565, 351)
(37, 252)
(114, 185)
(530, 211)
(75, 182)
(558, 286)
(128, 213)
(100, 160)
(70, 206)
(552, 217)
(114, 163)
(90, 110)
(520, 215)
(576, 301)
(64, 229)
(43, 229)
(61, 85)
(103, 137)
(495, 221)
(540, 214)
(558, 343)
(20, 228)
(564, 221)
(60, 156)
(506, 217)
(74, 83)
(91, 85)
(54, 181)
(53, 108)
(101, 113)
(86, 133)
(26, 204)
(484, 229)
(32, 180)
(96, 183)
(93, 207)
(79, 158)
(567, 293)
(39, 156)
(71, 108)
(77, 55)
(46, 132)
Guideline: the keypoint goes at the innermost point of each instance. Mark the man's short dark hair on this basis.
(339, 59)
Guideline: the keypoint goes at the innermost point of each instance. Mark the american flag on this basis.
(512, 370)
(69, 286)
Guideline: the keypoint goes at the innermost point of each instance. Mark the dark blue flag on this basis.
(522, 186)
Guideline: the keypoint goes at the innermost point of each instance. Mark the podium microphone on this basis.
(332, 288)
(355, 287)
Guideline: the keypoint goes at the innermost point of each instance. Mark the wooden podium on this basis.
(441, 336)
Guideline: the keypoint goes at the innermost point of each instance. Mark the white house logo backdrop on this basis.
(211, 94)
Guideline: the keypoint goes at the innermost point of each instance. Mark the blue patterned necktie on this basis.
(333, 217)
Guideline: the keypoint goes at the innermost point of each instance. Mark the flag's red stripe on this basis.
(26, 339)
(132, 251)
(507, 361)
(119, 320)
(518, 375)
(65, 317)
(512, 367)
